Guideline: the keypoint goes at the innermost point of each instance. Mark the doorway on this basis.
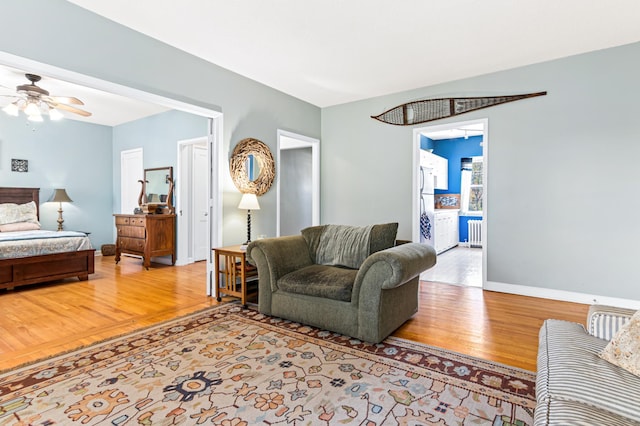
(192, 191)
(215, 120)
(464, 145)
(131, 170)
(297, 183)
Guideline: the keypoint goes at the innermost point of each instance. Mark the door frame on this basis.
(415, 208)
(288, 140)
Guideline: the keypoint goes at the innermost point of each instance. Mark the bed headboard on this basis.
(20, 196)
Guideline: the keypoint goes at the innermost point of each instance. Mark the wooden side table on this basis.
(233, 276)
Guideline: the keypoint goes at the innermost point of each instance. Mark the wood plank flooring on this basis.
(43, 320)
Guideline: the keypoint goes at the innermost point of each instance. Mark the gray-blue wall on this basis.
(562, 186)
(66, 36)
(582, 133)
(157, 135)
(64, 154)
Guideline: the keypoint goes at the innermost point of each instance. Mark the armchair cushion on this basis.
(349, 246)
(342, 245)
(330, 282)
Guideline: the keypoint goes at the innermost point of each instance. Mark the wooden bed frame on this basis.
(49, 267)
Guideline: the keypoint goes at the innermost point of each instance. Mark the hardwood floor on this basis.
(42, 320)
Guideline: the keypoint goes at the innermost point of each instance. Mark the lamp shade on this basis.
(60, 196)
(249, 202)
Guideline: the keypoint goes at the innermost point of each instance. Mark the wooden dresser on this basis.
(146, 235)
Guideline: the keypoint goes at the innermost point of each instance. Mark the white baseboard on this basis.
(566, 296)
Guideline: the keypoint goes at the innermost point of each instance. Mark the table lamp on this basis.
(60, 196)
(249, 202)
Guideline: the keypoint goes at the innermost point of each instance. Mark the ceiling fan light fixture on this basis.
(35, 102)
(32, 109)
(36, 118)
(11, 109)
(55, 115)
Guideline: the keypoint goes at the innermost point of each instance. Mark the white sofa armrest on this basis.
(605, 321)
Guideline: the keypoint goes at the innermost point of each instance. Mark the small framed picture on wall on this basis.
(18, 165)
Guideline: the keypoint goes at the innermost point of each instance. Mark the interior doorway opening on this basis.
(214, 131)
(459, 209)
(192, 191)
(297, 183)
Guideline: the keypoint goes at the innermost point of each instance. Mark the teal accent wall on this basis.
(65, 154)
(455, 150)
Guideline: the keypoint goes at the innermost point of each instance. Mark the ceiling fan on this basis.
(35, 101)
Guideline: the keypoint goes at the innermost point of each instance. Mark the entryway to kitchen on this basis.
(449, 208)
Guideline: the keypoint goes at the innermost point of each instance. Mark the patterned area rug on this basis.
(232, 366)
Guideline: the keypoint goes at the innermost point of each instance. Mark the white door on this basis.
(200, 205)
(131, 171)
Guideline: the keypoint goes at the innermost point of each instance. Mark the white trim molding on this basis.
(563, 295)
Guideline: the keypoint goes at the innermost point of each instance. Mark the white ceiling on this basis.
(329, 52)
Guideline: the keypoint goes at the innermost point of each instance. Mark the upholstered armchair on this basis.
(350, 280)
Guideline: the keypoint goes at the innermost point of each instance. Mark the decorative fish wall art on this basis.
(434, 109)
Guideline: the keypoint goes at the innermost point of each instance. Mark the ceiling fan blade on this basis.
(71, 109)
(66, 100)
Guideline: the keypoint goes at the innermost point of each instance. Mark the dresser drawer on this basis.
(131, 231)
(130, 220)
(137, 221)
(132, 244)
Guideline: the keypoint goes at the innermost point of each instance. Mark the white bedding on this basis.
(35, 243)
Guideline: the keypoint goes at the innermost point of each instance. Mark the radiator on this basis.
(475, 233)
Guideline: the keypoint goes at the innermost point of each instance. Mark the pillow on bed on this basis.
(15, 213)
(19, 226)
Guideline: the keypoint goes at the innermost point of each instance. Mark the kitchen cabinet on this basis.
(446, 233)
(440, 167)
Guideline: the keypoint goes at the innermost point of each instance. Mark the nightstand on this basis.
(233, 273)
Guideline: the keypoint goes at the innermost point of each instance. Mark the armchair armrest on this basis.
(279, 256)
(394, 266)
(276, 257)
(605, 321)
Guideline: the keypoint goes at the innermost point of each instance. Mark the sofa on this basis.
(574, 385)
(350, 280)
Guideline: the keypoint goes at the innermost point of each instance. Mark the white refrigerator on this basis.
(427, 205)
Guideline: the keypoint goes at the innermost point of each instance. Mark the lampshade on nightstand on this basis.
(60, 196)
(249, 202)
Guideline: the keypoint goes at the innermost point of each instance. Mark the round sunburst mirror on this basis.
(252, 167)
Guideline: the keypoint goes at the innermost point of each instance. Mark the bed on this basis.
(32, 269)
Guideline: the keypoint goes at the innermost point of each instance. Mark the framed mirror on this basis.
(252, 167)
(156, 195)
